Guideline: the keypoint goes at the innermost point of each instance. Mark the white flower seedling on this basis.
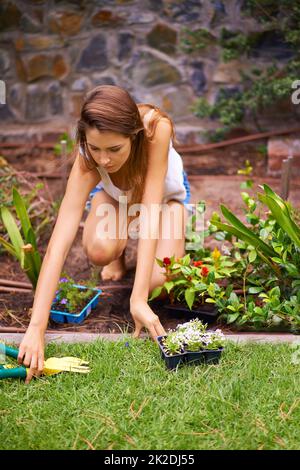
(193, 336)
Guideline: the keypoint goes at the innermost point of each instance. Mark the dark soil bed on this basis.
(112, 313)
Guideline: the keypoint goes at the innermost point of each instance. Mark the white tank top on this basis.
(173, 188)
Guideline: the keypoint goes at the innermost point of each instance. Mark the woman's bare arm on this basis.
(153, 194)
(80, 183)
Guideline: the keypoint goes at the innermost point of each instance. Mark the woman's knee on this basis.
(102, 253)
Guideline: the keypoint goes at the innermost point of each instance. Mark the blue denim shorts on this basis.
(99, 187)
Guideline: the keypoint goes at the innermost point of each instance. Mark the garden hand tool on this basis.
(53, 365)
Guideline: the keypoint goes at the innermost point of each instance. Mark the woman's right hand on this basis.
(31, 352)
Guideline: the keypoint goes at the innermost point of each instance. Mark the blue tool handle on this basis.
(17, 372)
(11, 352)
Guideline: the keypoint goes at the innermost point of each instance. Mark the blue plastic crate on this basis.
(64, 317)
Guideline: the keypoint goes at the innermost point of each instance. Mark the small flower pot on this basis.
(205, 356)
(195, 357)
(213, 356)
(65, 317)
(207, 313)
(171, 361)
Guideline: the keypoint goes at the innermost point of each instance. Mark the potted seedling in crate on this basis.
(191, 287)
(73, 302)
(191, 343)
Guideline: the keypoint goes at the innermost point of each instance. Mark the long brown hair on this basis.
(111, 108)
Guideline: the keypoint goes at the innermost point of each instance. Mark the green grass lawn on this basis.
(131, 401)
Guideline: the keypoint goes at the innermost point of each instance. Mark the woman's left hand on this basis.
(143, 316)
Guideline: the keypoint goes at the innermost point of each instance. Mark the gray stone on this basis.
(36, 103)
(137, 17)
(94, 56)
(16, 98)
(228, 72)
(163, 37)
(219, 12)
(147, 70)
(271, 45)
(177, 102)
(102, 80)
(4, 62)
(65, 23)
(109, 18)
(155, 5)
(103, 3)
(55, 98)
(81, 84)
(125, 45)
(6, 114)
(183, 10)
(198, 79)
(219, 6)
(29, 24)
(10, 16)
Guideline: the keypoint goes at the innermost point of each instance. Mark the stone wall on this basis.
(53, 51)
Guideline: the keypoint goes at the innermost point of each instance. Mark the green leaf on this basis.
(8, 247)
(159, 262)
(246, 184)
(156, 292)
(22, 213)
(36, 258)
(255, 290)
(30, 238)
(186, 260)
(252, 256)
(13, 231)
(189, 296)
(281, 214)
(276, 260)
(292, 269)
(210, 301)
(258, 310)
(176, 266)
(243, 233)
(169, 286)
(220, 236)
(245, 196)
(230, 307)
(29, 268)
(179, 282)
(232, 317)
(252, 219)
(187, 271)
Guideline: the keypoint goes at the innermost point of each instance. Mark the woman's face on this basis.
(109, 149)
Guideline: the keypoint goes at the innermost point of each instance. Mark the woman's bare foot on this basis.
(115, 270)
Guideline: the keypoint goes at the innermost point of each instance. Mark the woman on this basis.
(125, 155)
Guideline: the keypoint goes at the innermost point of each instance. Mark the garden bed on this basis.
(113, 313)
